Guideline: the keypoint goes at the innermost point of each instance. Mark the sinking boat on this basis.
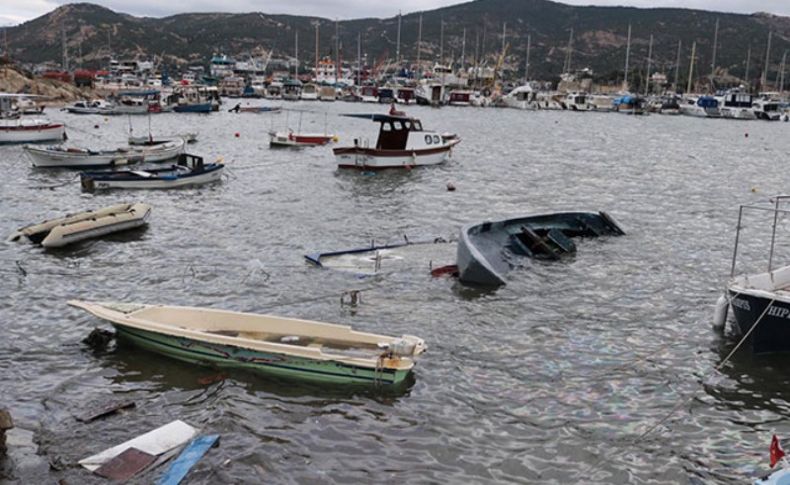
(73, 157)
(189, 171)
(375, 259)
(276, 346)
(402, 143)
(85, 225)
(760, 302)
(486, 250)
(298, 140)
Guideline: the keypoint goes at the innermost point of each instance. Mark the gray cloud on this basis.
(16, 11)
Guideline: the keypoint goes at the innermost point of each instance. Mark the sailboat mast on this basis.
(296, 55)
(463, 50)
(764, 80)
(65, 49)
(715, 46)
(567, 68)
(359, 58)
(627, 55)
(748, 61)
(691, 66)
(397, 42)
(441, 41)
(504, 34)
(316, 48)
(419, 48)
(782, 75)
(649, 62)
(337, 55)
(526, 68)
(677, 68)
(477, 55)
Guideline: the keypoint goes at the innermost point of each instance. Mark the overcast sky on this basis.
(17, 11)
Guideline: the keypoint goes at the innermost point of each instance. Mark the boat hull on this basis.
(55, 159)
(371, 159)
(772, 333)
(193, 108)
(31, 133)
(157, 183)
(268, 363)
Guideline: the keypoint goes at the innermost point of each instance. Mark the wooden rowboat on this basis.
(276, 346)
(85, 225)
(189, 172)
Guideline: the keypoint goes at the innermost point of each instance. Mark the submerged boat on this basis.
(276, 346)
(485, 249)
(189, 171)
(85, 225)
(255, 109)
(401, 143)
(760, 302)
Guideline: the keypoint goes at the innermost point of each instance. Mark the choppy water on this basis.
(552, 378)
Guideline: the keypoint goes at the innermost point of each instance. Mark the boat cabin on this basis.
(737, 100)
(394, 132)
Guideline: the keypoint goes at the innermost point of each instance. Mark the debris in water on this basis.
(99, 339)
(187, 459)
(126, 465)
(104, 410)
(206, 380)
(450, 187)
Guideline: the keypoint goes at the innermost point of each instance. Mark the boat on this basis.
(369, 94)
(290, 139)
(429, 93)
(92, 107)
(629, 104)
(133, 103)
(578, 102)
(273, 346)
(72, 228)
(766, 109)
(401, 143)
(292, 90)
(760, 302)
(386, 95)
(160, 151)
(327, 93)
(669, 106)
(737, 106)
(486, 250)
(29, 130)
(72, 157)
(404, 95)
(550, 101)
(255, 109)
(701, 107)
(522, 97)
(193, 108)
(601, 102)
(310, 92)
(189, 171)
(187, 136)
(459, 97)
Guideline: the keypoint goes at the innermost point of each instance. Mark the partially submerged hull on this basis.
(485, 250)
(762, 301)
(275, 346)
(375, 259)
(85, 225)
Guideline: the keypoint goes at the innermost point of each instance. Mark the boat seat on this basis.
(561, 240)
(537, 245)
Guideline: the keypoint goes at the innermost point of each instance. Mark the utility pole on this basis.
(627, 55)
(677, 68)
(526, 68)
(691, 66)
(764, 80)
(419, 48)
(649, 62)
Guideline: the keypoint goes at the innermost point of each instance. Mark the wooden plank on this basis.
(191, 455)
(126, 465)
(104, 410)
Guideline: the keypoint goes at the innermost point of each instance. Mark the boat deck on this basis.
(344, 348)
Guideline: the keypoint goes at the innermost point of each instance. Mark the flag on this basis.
(776, 451)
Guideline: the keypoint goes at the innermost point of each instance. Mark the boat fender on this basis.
(720, 313)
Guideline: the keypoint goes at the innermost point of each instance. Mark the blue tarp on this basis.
(707, 102)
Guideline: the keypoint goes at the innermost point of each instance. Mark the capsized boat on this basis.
(189, 171)
(402, 143)
(271, 345)
(760, 302)
(85, 225)
(485, 250)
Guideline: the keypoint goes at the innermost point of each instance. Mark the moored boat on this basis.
(189, 171)
(92, 107)
(629, 104)
(701, 107)
(188, 136)
(30, 130)
(485, 250)
(71, 157)
(85, 225)
(295, 140)
(275, 346)
(402, 143)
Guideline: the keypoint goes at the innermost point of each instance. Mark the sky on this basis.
(17, 11)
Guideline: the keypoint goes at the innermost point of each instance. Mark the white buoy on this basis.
(720, 313)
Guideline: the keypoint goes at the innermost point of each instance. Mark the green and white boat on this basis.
(276, 346)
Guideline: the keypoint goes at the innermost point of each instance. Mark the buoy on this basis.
(335, 138)
(95, 126)
(450, 187)
(754, 189)
(237, 134)
(746, 135)
(720, 313)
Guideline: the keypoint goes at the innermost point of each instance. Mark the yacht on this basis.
(766, 109)
(737, 106)
(701, 107)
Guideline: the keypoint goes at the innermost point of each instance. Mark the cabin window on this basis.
(428, 139)
(398, 125)
(417, 126)
(386, 127)
(436, 139)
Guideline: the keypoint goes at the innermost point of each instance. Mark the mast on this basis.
(649, 61)
(526, 67)
(65, 49)
(463, 50)
(296, 56)
(764, 80)
(441, 41)
(419, 45)
(337, 55)
(359, 59)
(477, 54)
(568, 52)
(504, 32)
(782, 75)
(691, 66)
(397, 42)
(316, 48)
(715, 46)
(748, 61)
(627, 55)
(677, 68)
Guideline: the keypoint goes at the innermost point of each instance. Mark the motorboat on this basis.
(255, 109)
(404, 95)
(486, 250)
(766, 109)
(669, 106)
(578, 102)
(429, 93)
(271, 345)
(327, 93)
(160, 151)
(701, 107)
(402, 143)
(522, 97)
(30, 130)
(550, 101)
(85, 107)
(459, 97)
(737, 106)
(601, 102)
(189, 171)
(292, 90)
(72, 228)
(310, 92)
(188, 136)
(760, 302)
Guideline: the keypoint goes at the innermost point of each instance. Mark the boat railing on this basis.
(778, 199)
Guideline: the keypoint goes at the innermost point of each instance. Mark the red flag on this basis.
(776, 451)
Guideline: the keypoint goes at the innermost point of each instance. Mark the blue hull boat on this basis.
(193, 108)
(486, 250)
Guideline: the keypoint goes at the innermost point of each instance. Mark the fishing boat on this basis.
(72, 157)
(189, 171)
(310, 92)
(290, 139)
(133, 103)
(156, 151)
(402, 143)
(292, 90)
(187, 136)
(486, 250)
(737, 106)
(578, 102)
(601, 102)
(274, 346)
(193, 108)
(92, 107)
(72, 228)
(701, 107)
(327, 93)
(29, 130)
(369, 94)
(459, 97)
(760, 302)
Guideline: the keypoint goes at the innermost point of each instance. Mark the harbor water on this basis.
(568, 374)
